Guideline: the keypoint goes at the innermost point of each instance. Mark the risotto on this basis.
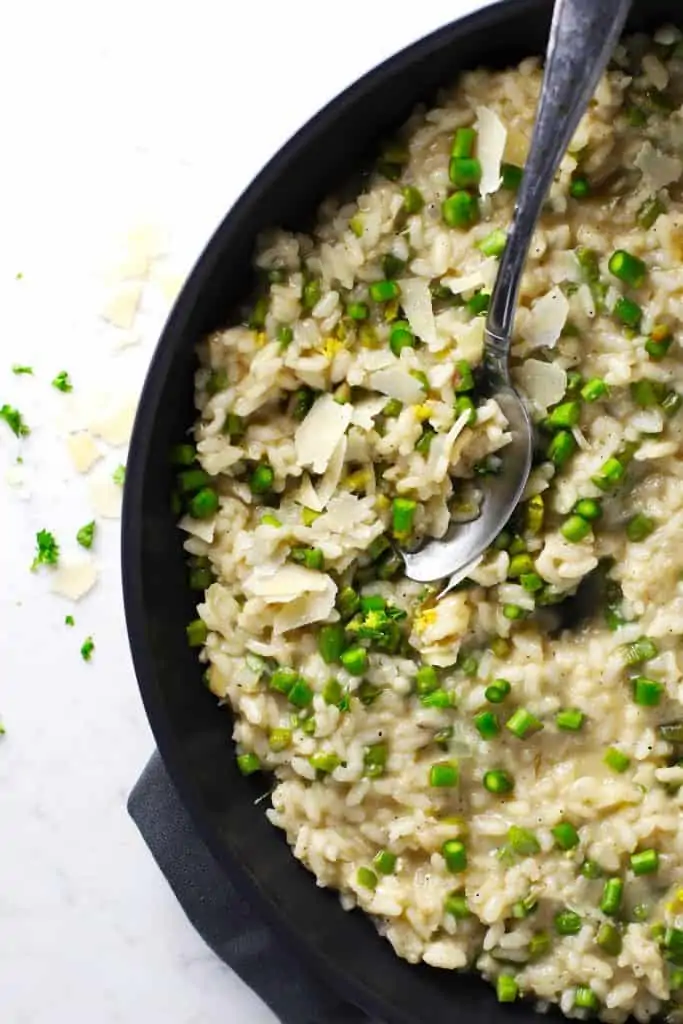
(493, 776)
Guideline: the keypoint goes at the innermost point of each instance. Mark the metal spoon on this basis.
(583, 35)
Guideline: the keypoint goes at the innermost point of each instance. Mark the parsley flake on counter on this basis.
(47, 550)
(2, 729)
(119, 475)
(69, 620)
(19, 370)
(14, 420)
(62, 382)
(86, 535)
(87, 647)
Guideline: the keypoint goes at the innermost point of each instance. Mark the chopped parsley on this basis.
(87, 647)
(14, 420)
(19, 370)
(2, 729)
(19, 275)
(119, 475)
(47, 550)
(62, 382)
(86, 534)
(69, 620)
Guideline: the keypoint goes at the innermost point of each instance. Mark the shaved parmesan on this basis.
(115, 425)
(441, 448)
(655, 71)
(397, 383)
(330, 479)
(83, 451)
(516, 147)
(204, 529)
(364, 413)
(648, 421)
(313, 607)
(491, 139)
(546, 320)
(285, 584)
(133, 265)
(658, 169)
(307, 494)
(466, 283)
(416, 300)
(376, 359)
(121, 305)
(149, 240)
(543, 383)
(345, 512)
(106, 497)
(439, 376)
(169, 284)
(482, 277)
(470, 340)
(220, 460)
(143, 245)
(489, 272)
(320, 433)
(74, 580)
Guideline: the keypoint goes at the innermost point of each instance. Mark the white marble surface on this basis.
(114, 114)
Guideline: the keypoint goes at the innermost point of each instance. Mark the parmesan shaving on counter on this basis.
(143, 245)
(74, 580)
(106, 497)
(83, 451)
(168, 283)
(121, 305)
(115, 425)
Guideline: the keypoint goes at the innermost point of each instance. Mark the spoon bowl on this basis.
(466, 542)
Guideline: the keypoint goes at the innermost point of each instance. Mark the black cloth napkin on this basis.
(222, 917)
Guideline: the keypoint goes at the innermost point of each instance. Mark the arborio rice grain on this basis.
(498, 793)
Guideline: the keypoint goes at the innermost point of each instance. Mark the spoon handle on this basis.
(583, 35)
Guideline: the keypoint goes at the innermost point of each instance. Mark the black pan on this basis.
(192, 732)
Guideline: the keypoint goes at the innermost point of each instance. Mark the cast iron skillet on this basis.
(192, 732)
